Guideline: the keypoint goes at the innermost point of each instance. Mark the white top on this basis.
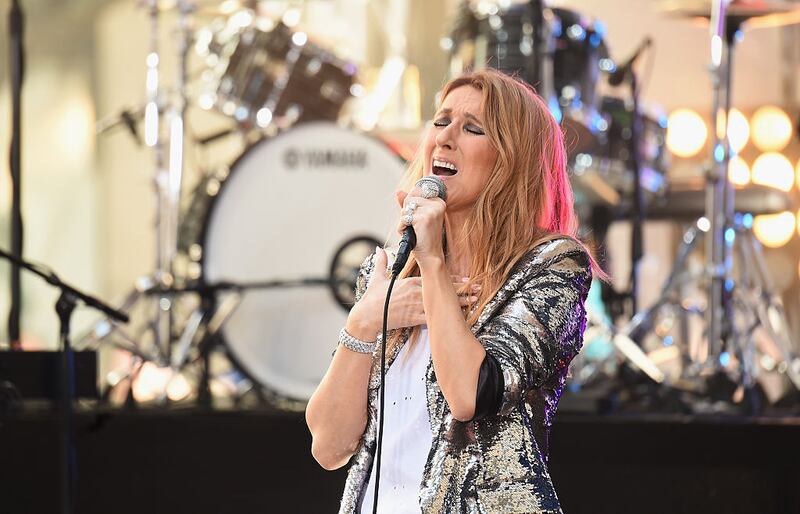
(407, 434)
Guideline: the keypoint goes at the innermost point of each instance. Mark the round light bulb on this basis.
(774, 230)
(686, 133)
(738, 171)
(772, 128)
(738, 130)
(774, 170)
(798, 174)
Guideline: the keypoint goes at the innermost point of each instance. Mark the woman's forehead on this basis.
(463, 99)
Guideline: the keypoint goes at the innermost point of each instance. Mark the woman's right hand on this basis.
(405, 308)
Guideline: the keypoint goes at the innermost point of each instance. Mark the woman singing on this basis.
(483, 322)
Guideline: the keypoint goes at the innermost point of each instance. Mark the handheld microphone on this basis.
(621, 72)
(431, 186)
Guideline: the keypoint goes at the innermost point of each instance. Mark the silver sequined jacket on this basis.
(533, 327)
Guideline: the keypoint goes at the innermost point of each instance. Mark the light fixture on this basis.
(774, 170)
(774, 230)
(738, 129)
(738, 171)
(798, 174)
(686, 133)
(772, 128)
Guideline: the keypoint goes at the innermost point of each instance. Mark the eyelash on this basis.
(472, 129)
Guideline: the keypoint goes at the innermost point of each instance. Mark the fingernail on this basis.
(473, 298)
(476, 287)
(465, 279)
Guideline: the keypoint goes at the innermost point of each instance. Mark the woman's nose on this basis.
(444, 138)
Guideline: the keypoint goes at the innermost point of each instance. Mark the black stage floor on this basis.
(200, 461)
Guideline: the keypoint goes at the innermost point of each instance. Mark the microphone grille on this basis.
(432, 186)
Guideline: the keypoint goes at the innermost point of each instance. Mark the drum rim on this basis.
(273, 396)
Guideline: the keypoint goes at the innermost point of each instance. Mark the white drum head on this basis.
(287, 205)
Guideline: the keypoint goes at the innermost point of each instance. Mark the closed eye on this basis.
(472, 129)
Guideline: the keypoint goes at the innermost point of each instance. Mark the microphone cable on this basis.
(433, 186)
(382, 395)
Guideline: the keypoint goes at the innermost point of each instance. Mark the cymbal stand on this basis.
(753, 298)
(166, 138)
(719, 191)
(153, 138)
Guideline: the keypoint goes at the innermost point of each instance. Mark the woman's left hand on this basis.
(428, 222)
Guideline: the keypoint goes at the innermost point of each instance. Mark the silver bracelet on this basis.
(356, 345)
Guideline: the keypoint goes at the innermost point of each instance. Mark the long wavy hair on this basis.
(528, 199)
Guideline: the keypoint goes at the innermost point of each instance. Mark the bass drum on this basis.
(286, 210)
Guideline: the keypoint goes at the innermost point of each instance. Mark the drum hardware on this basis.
(754, 298)
(217, 302)
(168, 153)
(308, 83)
(579, 56)
(734, 308)
(272, 77)
(126, 118)
(727, 233)
(233, 229)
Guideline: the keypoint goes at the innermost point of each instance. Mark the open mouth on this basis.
(444, 168)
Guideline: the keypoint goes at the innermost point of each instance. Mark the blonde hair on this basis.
(528, 199)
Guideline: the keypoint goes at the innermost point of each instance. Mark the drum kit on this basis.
(254, 273)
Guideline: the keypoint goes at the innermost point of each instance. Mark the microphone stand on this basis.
(16, 27)
(626, 73)
(637, 214)
(65, 305)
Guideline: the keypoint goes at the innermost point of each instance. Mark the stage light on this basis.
(686, 133)
(798, 174)
(774, 230)
(774, 170)
(772, 128)
(738, 171)
(738, 129)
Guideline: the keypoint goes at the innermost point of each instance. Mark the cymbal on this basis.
(757, 13)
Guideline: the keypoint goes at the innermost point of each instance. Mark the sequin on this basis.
(533, 327)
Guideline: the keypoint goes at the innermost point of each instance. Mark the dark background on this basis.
(259, 461)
